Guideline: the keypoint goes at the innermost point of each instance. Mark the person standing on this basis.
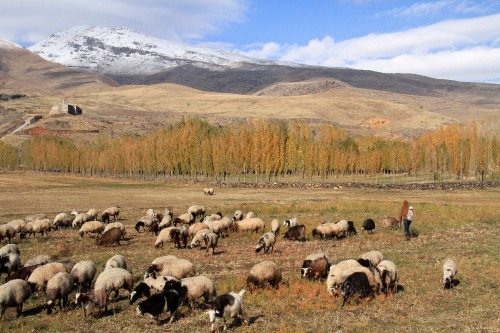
(407, 221)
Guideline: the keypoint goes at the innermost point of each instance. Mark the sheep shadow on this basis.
(400, 288)
(453, 284)
(414, 233)
(218, 252)
(34, 311)
(238, 322)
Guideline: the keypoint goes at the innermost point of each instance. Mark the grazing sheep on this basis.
(250, 215)
(42, 226)
(335, 274)
(266, 272)
(83, 273)
(178, 268)
(27, 230)
(147, 221)
(179, 237)
(198, 238)
(93, 299)
(17, 225)
(105, 217)
(41, 275)
(166, 221)
(91, 227)
(112, 211)
(291, 222)
(449, 272)
(327, 230)
(368, 225)
(63, 220)
(238, 215)
(114, 279)
(58, 288)
(197, 211)
(266, 242)
(165, 235)
(337, 277)
(213, 217)
(13, 294)
(275, 226)
(9, 248)
(163, 259)
(211, 240)
(33, 218)
(41, 259)
(252, 224)
(371, 258)
(116, 261)
(197, 287)
(356, 283)
(227, 305)
(80, 219)
(208, 191)
(143, 289)
(195, 227)
(167, 301)
(389, 276)
(315, 266)
(22, 273)
(343, 227)
(351, 230)
(92, 214)
(186, 218)
(390, 222)
(117, 225)
(154, 282)
(297, 232)
(68, 264)
(110, 237)
(6, 231)
(9, 263)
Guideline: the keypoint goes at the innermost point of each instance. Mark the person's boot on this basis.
(407, 238)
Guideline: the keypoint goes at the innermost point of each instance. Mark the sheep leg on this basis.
(2, 313)
(19, 310)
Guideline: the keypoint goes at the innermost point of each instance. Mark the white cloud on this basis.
(434, 8)
(421, 9)
(465, 49)
(29, 21)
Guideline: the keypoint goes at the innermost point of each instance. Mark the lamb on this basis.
(275, 226)
(91, 227)
(449, 272)
(368, 225)
(266, 242)
(63, 220)
(80, 219)
(227, 305)
(197, 287)
(13, 294)
(292, 222)
(93, 299)
(390, 222)
(169, 301)
(83, 273)
(17, 225)
(297, 232)
(389, 276)
(41, 275)
(356, 283)
(6, 231)
(198, 238)
(41, 259)
(315, 266)
(266, 272)
(112, 211)
(251, 224)
(211, 240)
(327, 230)
(197, 210)
(208, 191)
(116, 261)
(110, 237)
(114, 279)
(33, 218)
(178, 268)
(92, 214)
(117, 225)
(58, 288)
(9, 248)
(9, 263)
(371, 258)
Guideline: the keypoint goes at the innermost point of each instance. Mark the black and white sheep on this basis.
(9, 263)
(389, 276)
(116, 261)
(179, 237)
(339, 273)
(315, 266)
(58, 289)
(227, 305)
(168, 301)
(266, 242)
(83, 273)
(13, 294)
(368, 225)
(371, 258)
(9, 248)
(356, 283)
(266, 272)
(238, 215)
(449, 272)
(291, 222)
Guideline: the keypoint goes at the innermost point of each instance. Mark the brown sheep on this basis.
(110, 237)
(391, 222)
(297, 232)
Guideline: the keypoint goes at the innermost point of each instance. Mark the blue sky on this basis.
(454, 39)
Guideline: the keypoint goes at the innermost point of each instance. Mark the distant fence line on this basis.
(262, 151)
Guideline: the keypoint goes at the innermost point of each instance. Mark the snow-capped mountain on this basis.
(121, 51)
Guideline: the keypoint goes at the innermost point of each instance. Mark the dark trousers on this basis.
(406, 224)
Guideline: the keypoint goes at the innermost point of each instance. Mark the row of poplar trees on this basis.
(259, 150)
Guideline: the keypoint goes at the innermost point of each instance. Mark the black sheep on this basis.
(169, 301)
(368, 225)
(351, 230)
(297, 232)
(356, 283)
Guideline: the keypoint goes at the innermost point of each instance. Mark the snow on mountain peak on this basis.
(122, 51)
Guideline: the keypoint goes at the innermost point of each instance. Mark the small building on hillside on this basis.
(65, 108)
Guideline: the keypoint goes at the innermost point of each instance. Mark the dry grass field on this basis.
(463, 225)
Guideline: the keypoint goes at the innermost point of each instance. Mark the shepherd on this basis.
(407, 217)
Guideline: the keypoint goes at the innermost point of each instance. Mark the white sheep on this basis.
(208, 191)
(13, 294)
(58, 288)
(9, 248)
(186, 218)
(197, 210)
(213, 217)
(178, 268)
(17, 225)
(33, 218)
(371, 258)
(116, 261)
(41, 259)
(27, 229)
(42, 226)
(338, 273)
(389, 275)
(80, 219)
(42, 274)
(326, 230)
(92, 214)
(91, 227)
(238, 215)
(343, 227)
(292, 222)
(275, 226)
(6, 231)
(63, 220)
(195, 227)
(266, 272)
(198, 238)
(165, 235)
(197, 287)
(83, 273)
(227, 305)
(266, 242)
(166, 221)
(111, 211)
(449, 272)
(252, 224)
(114, 279)
(211, 240)
(162, 259)
(118, 225)
(250, 215)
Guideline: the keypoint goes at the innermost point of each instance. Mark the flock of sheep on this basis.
(169, 281)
